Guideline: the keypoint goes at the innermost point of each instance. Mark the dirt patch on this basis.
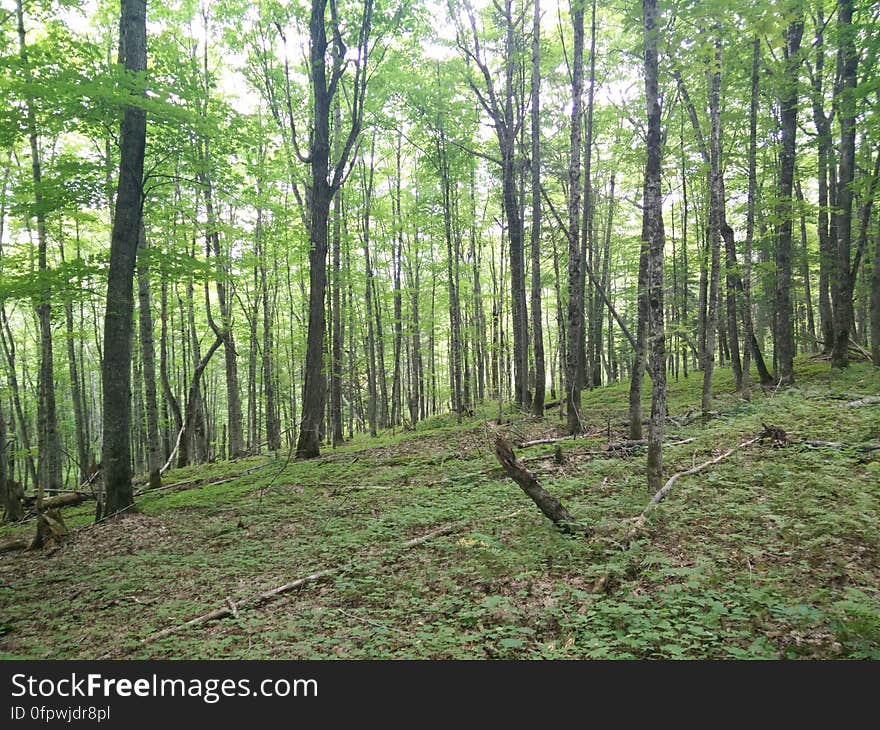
(126, 535)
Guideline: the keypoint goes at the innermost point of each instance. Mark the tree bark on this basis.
(575, 299)
(842, 289)
(715, 203)
(148, 358)
(655, 237)
(48, 439)
(537, 328)
(875, 301)
(322, 190)
(552, 508)
(788, 105)
(338, 334)
(116, 365)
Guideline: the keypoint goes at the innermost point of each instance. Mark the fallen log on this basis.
(16, 543)
(528, 482)
(65, 500)
(868, 400)
(632, 443)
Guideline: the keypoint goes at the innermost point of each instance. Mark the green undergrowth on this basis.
(774, 552)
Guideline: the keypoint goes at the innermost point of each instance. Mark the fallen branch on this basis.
(232, 608)
(528, 482)
(841, 445)
(665, 489)
(868, 400)
(538, 442)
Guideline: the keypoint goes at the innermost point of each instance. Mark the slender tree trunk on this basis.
(321, 192)
(639, 352)
(506, 123)
(372, 403)
(843, 284)
(606, 280)
(452, 277)
(170, 399)
(823, 143)
(715, 203)
(654, 217)
(788, 104)
(875, 301)
(575, 300)
(82, 448)
(48, 439)
(116, 365)
(148, 358)
(805, 269)
(396, 264)
(588, 210)
(273, 422)
(336, 363)
(537, 329)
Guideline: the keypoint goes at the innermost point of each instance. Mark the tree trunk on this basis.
(537, 329)
(875, 301)
(587, 217)
(396, 264)
(823, 143)
(148, 358)
(48, 439)
(842, 290)
(170, 400)
(788, 105)
(575, 299)
(715, 203)
(338, 334)
(82, 447)
(654, 218)
(805, 269)
(639, 352)
(322, 190)
(12, 509)
(116, 365)
(372, 403)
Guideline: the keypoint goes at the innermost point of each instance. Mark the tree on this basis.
(575, 290)
(788, 113)
(843, 282)
(115, 368)
(537, 328)
(655, 240)
(49, 443)
(507, 114)
(326, 179)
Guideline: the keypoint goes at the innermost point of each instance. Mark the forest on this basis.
(419, 329)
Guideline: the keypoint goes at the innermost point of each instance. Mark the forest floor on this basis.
(773, 552)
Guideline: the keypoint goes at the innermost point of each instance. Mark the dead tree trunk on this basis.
(547, 503)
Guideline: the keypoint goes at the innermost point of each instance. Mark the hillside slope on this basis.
(774, 552)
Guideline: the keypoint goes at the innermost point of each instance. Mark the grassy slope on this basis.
(772, 553)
